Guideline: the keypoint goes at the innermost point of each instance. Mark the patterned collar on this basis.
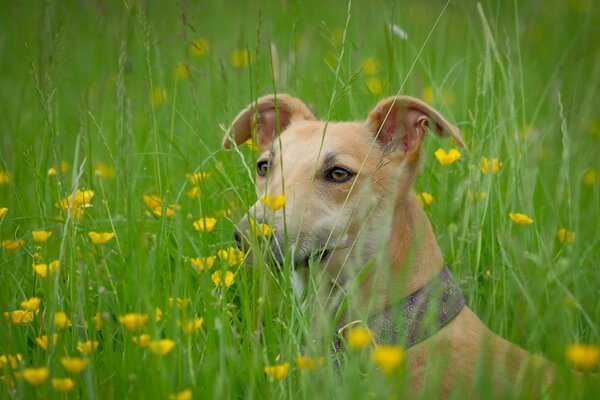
(416, 317)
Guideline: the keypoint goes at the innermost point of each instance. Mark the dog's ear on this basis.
(265, 119)
(401, 123)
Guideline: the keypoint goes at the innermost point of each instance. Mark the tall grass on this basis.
(147, 89)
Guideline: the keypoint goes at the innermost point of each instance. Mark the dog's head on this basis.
(337, 176)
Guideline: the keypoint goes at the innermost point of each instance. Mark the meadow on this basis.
(119, 275)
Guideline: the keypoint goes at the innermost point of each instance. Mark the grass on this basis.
(95, 84)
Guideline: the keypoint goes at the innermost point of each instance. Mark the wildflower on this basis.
(4, 177)
(155, 205)
(277, 371)
(231, 255)
(162, 347)
(74, 364)
(77, 203)
(216, 278)
(32, 304)
(43, 269)
(3, 211)
(100, 238)
(133, 320)
(374, 85)
(19, 317)
(194, 193)
(63, 385)
(370, 66)
(192, 326)
(10, 360)
(42, 341)
(202, 263)
(447, 158)
(223, 213)
(182, 70)
(261, 229)
(199, 47)
(427, 94)
(51, 171)
(566, 236)
(159, 96)
(309, 363)
(104, 171)
(197, 177)
(181, 303)
(143, 340)
(40, 236)
(591, 177)
(520, 219)
(158, 314)
(205, 224)
(359, 337)
(240, 58)
(183, 395)
(12, 245)
(87, 347)
(252, 145)
(35, 376)
(61, 320)
(387, 358)
(477, 195)
(486, 168)
(584, 357)
(64, 166)
(274, 202)
(425, 198)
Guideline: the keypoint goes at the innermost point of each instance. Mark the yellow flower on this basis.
(183, 395)
(216, 278)
(201, 263)
(155, 205)
(13, 244)
(63, 385)
(199, 47)
(181, 303)
(133, 320)
(274, 202)
(370, 66)
(520, 219)
(77, 203)
(61, 320)
(162, 347)
(425, 198)
(10, 360)
(159, 96)
(40, 236)
(74, 364)
(192, 326)
(223, 213)
(486, 168)
(252, 145)
(387, 358)
(584, 357)
(87, 347)
(18, 317)
(309, 363)
(51, 171)
(3, 211)
(182, 70)
(143, 340)
(4, 177)
(35, 376)
(194, 193)
(591, 177)
(32, 304)
(104, 171)
(240, 58)
(197, 177)
(277, 371)
(42, 341)
(64, 166)
(101, 238)
(427, 94)
(477, 195)
(447, 158)
(231, 255)
(359, 337)
(158, 314)
(261, 229)
(374, 85)
(566, 236)
(43, 269)
(205, 224)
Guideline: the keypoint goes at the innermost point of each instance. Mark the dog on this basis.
(352, 211)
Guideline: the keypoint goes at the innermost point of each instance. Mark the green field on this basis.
(129, 99)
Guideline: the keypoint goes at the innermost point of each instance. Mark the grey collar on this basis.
(416, 317)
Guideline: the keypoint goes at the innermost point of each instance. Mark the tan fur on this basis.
(385, 153)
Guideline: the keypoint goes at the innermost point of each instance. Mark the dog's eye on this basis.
(262, 168)
(338, 175)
